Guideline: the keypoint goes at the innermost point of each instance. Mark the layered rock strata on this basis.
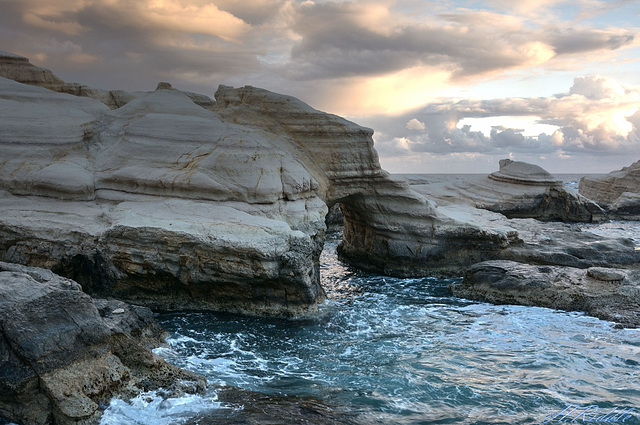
(388, 227)
(517, 190)
(185, 203)
(607, 293)
(65, 354)
(158, 202)
(618, 192)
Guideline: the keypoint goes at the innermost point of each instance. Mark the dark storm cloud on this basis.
(571, 41)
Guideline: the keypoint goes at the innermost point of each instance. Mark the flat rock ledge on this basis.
(606, 293)
(64, 355)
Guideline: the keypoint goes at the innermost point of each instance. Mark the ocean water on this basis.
(405, 351)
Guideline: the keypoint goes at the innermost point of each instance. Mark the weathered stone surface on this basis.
(169, 255)
(618, 192)
(517, 190)
(226, 219)
(63, 354)
(564, 288)
(606, 274)
(222, 205)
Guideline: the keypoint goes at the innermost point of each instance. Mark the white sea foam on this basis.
(151, 408)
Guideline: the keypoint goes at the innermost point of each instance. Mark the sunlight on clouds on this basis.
(415, 124)
(537, 53)
(377, 17)
(206, 19)
(391, 94)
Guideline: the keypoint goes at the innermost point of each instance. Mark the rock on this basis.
(564, 288)
(222, 205)
(162, 85)
(523, 173)
(625, 207)
(63, 355)
(19, 69)
(218, 207)
(618, 192)
(517, 190)
(259, 409)
(606, 274)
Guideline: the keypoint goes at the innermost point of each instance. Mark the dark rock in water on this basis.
(64, 354)
(596, 291)
(260, 409)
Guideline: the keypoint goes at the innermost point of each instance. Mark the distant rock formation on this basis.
(517, 190)
(63, 354)
(618, 192)
(606, 293)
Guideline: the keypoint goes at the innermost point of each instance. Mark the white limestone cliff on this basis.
(176, 201)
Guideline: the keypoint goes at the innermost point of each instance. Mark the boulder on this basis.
(606, 293)
(517, 190)
(65, 354)
(617, 192)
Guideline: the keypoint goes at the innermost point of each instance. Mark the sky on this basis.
(447, 86)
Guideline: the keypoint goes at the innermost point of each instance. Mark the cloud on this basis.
(596, 116)
(415, 124)
(335, 41)
(385, 63)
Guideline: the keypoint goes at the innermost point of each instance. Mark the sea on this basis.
(386, 350)
(405, 351)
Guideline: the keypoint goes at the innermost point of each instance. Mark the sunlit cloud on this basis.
(596, 115)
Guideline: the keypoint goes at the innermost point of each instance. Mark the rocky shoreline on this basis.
(65, 355)
(174, 201)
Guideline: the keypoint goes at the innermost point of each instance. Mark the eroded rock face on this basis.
(159, 202)
(517, 190)
(64, 353)
(618, 192)
(182, 203)
(388, 227)
(593, 291)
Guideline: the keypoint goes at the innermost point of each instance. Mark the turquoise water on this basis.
(404, 351)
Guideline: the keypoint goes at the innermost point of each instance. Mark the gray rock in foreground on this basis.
(63, 353)
(606, 293)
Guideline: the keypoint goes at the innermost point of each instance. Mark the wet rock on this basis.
(565, 288)
(251, 408)
(63, 354)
